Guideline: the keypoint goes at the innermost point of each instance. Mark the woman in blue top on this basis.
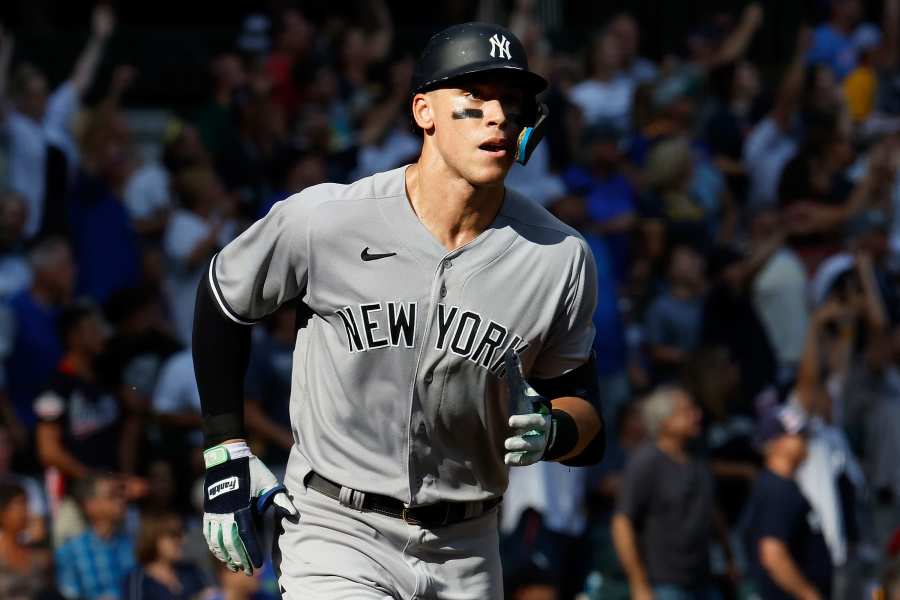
(162, 574)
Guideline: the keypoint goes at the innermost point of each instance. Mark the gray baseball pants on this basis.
(333, 552)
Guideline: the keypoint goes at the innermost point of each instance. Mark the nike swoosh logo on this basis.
(367, 257)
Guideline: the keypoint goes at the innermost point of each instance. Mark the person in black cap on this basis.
(785, 547)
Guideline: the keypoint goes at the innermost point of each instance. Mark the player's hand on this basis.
(532, 425)
(238, 489)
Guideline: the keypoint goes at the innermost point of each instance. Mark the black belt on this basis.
(429, 517)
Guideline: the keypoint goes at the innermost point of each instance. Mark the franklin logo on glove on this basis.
(223, 487)
(239, 490)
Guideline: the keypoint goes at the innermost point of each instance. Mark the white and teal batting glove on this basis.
(532, 425)
(238, 489)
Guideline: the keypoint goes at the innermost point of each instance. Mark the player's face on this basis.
(475, 127)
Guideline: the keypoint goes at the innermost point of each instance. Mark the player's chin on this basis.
(492, 171)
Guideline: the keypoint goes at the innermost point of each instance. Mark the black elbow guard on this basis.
(580, 382)
(593, 452)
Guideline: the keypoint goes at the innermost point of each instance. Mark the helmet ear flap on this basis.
(531, 136)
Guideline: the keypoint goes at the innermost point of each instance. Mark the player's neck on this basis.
(452, 209)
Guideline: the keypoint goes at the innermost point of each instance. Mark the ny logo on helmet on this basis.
(502, 44)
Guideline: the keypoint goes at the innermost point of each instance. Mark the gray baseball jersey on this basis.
(397, 384)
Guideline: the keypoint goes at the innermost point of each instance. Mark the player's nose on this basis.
(495, 114)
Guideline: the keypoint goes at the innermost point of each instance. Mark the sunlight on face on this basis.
(475, 127)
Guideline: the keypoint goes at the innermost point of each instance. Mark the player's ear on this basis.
(423, 111)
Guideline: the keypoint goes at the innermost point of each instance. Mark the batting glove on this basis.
(533, 425)
(238, 489)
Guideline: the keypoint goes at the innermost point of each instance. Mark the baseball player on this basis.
(434, 294)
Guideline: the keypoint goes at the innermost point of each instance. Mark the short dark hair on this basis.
(85, 489)
(10, 489)
(154, 525)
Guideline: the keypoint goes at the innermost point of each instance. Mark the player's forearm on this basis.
(586, 419)
(626, 547)
(221, 352)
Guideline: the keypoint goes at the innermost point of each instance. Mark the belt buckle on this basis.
(407, 517)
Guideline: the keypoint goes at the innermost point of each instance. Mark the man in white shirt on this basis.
(35, 121)
(607, 94)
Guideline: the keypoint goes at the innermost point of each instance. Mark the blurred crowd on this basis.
(746, 230)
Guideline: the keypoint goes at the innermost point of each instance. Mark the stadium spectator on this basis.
(202, 225)
(736, 88)
(105, 242)
(92, 565)
(611, 197)
(385, 141)
(610, 349)
(35, 344)
(359, 50)
(773, 140)
(672, 196)
(663, 524)
(625, 28)
(674, 319)
(80, 418)
(42, 147)
(15, 272)
(268, 384)
(779, 293)
(830, 477)
(162, 495)
(176, 404)
(292, 56)
(26, 571)
(245, 164)
(605, 96)
(162, 573)
(787, 554)
(38, 514)
(132, 361)
(608, 579)
(149, 195)
(833, 44)
(214, 121)
(294, 170)
(730, 320)
(544, 524)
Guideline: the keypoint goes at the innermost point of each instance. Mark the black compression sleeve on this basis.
(581, 382)
(221, 349)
